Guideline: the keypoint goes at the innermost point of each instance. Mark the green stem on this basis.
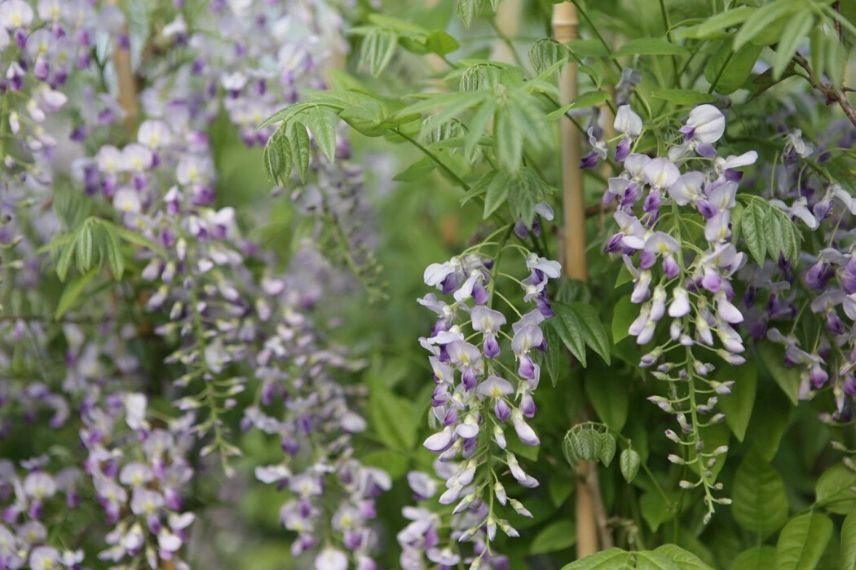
(720, 72)
(597, 34)
(433, 157)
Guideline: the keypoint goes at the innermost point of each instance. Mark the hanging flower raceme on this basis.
(139, 472)
(30, 495)
(818, 284)
(219, 318)
(683, 277)
(485, 377)
(300, 401)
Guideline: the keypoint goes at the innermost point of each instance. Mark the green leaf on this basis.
(441, 43)
(71, 207)
(477, 125)
(273, 160)
(578, 326)
(836, 59)
(528, 118)
(368, 118)
(752, 230)
(756, 558)
(553, 356)
(298, 140)
(595, 333)
(738, 405)
(739, 69)
(467, 10)
(71, 293)
(591, 99)
(607, 449)
(64, 261)
(783, 238)
(418, 171)
(770, 419)
(817, 52)
(588, 47)
(609, 559)
(848, 543)
(714, 26)
(559, 488)
(322, 122)
(683, 96)
(494, 185)
(84, 249)
(684, 559)
(570, 330)
(624, 313)
(545, 53)
(509, 142)
(788, 378)
(481, 76)
(393, 462)
(802, 542)
(135, 238)
(583, 442)
(794, 33)
(113, 251)
(448, 107)
(377, 50)
(655, 510)
(759, 499)
(526, 189)
(556, 536)
(650, 560)
(761, 19)
(730, 70)
(609, 395)
(395, 419)
(836, 490)
(629, 462)
(650, 46)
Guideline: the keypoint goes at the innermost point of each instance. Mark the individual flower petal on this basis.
(627, 122)
(706, 124)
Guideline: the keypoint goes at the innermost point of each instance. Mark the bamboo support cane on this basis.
(574, 255)
(508, 16)
(126, 83)
(564, 30)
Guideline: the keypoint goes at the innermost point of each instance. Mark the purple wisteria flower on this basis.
(686, 283)
(477, 393)
(820, 281)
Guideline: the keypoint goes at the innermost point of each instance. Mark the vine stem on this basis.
(461, 182)
(832, 94)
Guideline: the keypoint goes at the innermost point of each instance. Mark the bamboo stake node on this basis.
(565, 22)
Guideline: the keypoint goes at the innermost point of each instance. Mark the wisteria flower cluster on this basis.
(820, 283)
(332, 494)
(204, 366)
(477, 397)
(226, 325)
(685, 281)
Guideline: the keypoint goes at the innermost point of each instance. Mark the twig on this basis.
(832, 94)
